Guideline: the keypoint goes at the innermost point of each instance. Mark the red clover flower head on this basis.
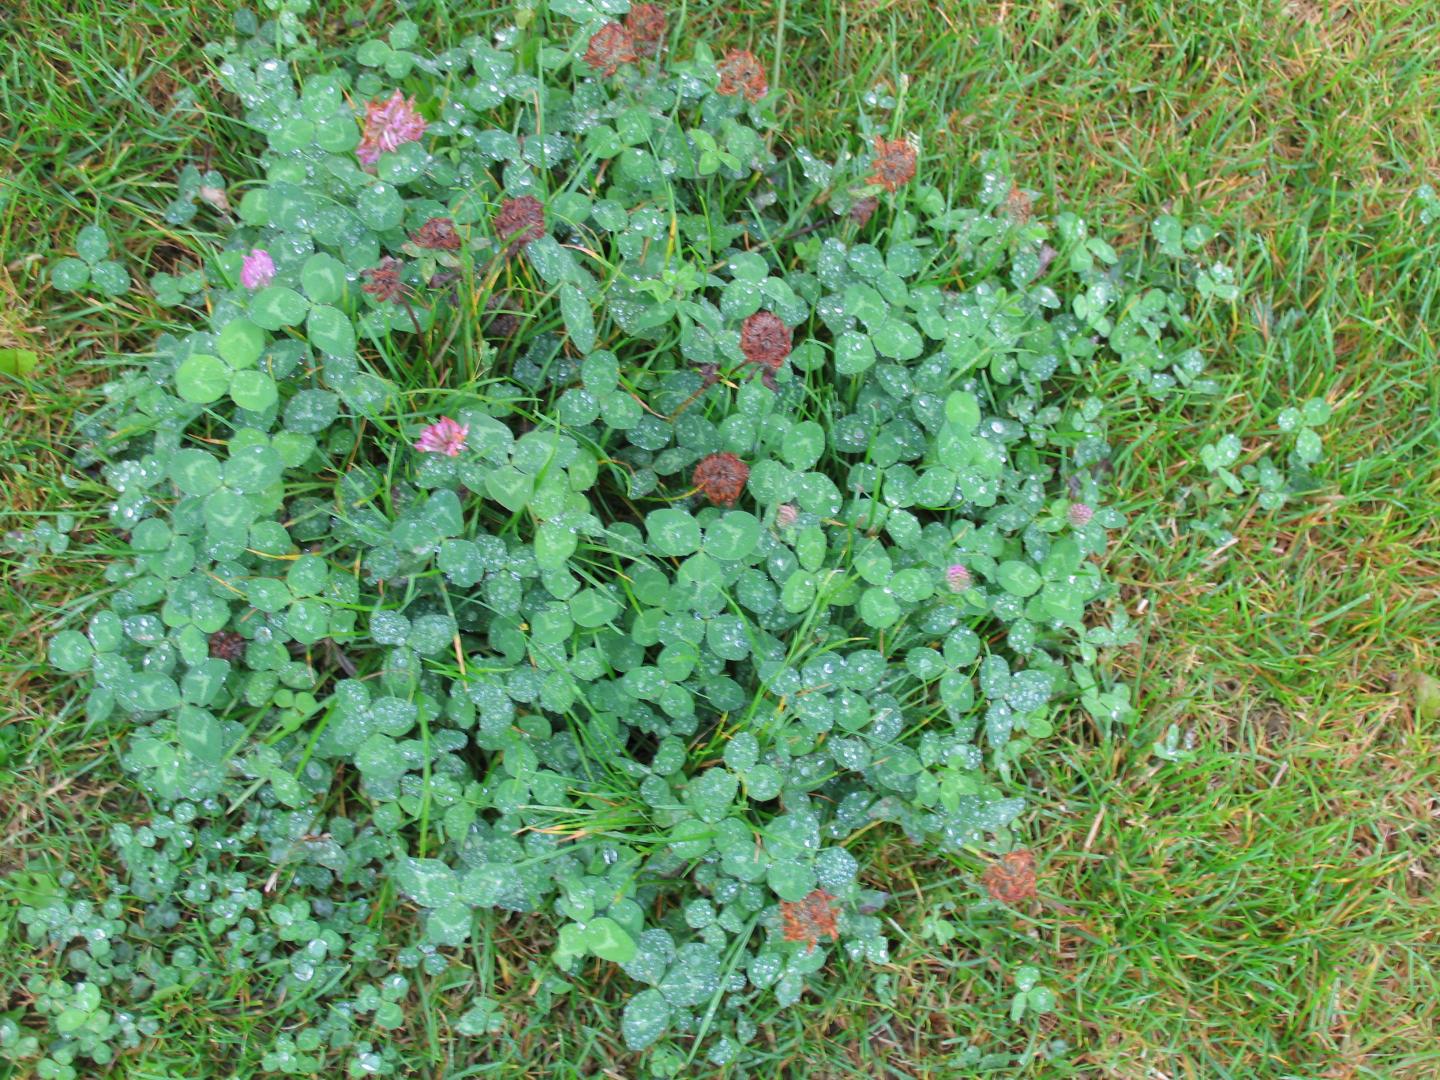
(258, 269)
(520, 220)
(383, 281)
(721, 478)
(444, 436)
(810, 919)
(765, 340)
(864, 210)
(227, 645)
(610, 46)
(646, 23)
(741, 73)
(437, 234)
(1018, 205)
(1012, 879)
(388, 125)
(894, 163)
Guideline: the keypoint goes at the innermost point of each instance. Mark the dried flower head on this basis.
(503, 323)
(863, 210)
(721, 478)
(520, 220)
(765, 340)
(258, 269)
(214, 196)
(957, 577)
(786, 515)
(227, 645)
(444, 436)
(741, 73)
(646, 23)
(383, 282)
(1012, 879)
(1017, 205)
(809, 919)
(1079, 514)
(437, 234)
(894, 163)
(388, 125)
(443, 284)
(610, 46)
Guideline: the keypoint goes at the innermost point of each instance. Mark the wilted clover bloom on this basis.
(520, 220)
(227, 645)
(810, 919)
(389, 124)
(863, 210)
(741, 73)
(957, 577)
(646, 23)
(1012, 879)
(894, 163)
(1018, 205)
(437, 234)
(721, 477)
(504, 323)
(765, 340)
(383, 281)
(786, 515)
(444, 436)
(258, 269)
(610, 46)
(1079, 514)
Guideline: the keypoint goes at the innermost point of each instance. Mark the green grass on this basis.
(1266, 908)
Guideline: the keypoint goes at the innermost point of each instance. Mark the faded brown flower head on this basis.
(809, 919)
(520, 220)
(721, 478)
(610, 46)
(765, 340)
(741, 73)
(227, 645)
(863, 210)
(894, 163)
(383, 282)
(504, 323)
(646, 23)
(437, 234)
(1017, 205)
(1012, 879)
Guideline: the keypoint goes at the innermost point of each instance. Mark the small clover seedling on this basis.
(94, 266)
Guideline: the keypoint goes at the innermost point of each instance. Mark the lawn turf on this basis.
(1263, 907)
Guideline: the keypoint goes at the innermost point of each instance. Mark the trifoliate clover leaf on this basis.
(278, 306)
(645, 1019)
(110, 278)
(202, 378)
